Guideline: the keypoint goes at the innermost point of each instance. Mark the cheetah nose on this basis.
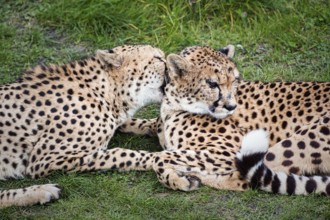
(230, 107)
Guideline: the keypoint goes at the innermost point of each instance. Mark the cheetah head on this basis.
(203, 81)
(139, 71)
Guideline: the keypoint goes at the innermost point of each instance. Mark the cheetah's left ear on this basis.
(229, 50)
(109, 58)
(178, 66)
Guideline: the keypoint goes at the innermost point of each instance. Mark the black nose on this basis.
(230, 107)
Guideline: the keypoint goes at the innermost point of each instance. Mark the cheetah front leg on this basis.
(148, 127)
(187, 170)
(306, 152)
(82, 161)
(116, 159)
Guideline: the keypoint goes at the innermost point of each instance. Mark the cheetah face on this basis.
(141, 69)
(203, 81)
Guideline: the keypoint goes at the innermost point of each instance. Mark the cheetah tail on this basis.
(249, 162)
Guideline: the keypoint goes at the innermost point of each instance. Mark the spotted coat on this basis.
(62, 117)
(200, 147)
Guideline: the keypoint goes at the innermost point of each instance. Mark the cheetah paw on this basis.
(49, 192)
(194, 182)
(37, 194)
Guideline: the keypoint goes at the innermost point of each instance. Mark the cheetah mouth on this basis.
(223, 113)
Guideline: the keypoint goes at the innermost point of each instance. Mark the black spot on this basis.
(270, 156)
(290, 185)
(14, 165)
(11, 133)
(284, 124)
(288, 154)
(128, 163)
(70, 92)
(48, 103)
(222, 130)
(303, 132)
(301, 145)
(286, 143)
(309, 118)
(209, 160)
(315, 154)
(188, 135)
(26, 92)
(294, 170)
(311, 135)
(310, 186)
(59, 100)
(201, 139)
(276, 184)
(268, 177)
(205, 124)
(315, 144)
(65, 108)
(328, 189)
(325, 130)
(289, 114)
(38, 103)
(282, 107)
(274, 119)
(287, 163)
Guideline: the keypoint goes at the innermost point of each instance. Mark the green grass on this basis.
(275, 40)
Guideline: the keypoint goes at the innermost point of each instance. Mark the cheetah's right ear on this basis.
(178, 66)
(229, 50)
(109, 58)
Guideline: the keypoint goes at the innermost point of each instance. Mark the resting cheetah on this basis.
(201, 143)
(62, 117)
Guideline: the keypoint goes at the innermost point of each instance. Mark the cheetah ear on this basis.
(178, 66)
(109, 58)
(229, 50)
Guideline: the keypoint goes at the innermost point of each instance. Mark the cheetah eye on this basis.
(211, 84)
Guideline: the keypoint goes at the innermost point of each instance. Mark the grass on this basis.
(275, 40)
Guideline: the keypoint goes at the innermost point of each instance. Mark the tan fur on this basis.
(62, 117)
(295, 114)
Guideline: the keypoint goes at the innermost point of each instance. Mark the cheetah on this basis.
(206, 113)
(62, 117)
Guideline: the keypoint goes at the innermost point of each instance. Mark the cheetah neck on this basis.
(101, 87)
(170, 107)
(123, 96)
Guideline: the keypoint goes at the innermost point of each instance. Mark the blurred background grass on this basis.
(275, 40)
